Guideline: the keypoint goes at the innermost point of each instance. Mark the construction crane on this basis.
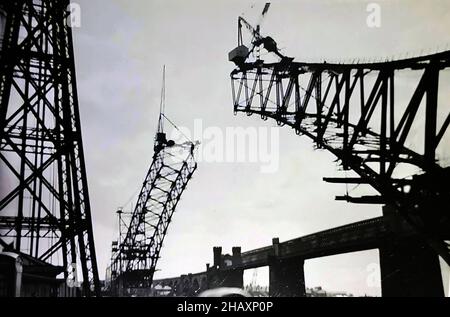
(136, 254)
(241, 53)
(350, 110)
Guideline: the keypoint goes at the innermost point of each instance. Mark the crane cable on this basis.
(162, 108)
(178, 129)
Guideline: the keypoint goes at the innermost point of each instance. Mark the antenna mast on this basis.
(163, 103)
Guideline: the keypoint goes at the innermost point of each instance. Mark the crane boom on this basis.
(134, 260)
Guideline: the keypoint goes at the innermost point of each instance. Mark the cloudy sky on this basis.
(120, 49)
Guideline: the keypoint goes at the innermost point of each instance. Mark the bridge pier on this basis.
(286, 276)
(409, 268)
(226, 270)
(408, 265)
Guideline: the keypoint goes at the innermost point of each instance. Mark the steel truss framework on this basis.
(351, 111)
(136, 254)
(44, 201)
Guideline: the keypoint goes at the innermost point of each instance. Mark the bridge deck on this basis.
(358, 236)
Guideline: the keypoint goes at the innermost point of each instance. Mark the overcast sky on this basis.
(120, 49)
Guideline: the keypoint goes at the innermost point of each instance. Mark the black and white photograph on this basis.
(183, 150)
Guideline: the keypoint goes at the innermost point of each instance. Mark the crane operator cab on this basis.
(162, 142)
(239, 55)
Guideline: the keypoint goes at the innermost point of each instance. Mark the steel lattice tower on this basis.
(44, 201)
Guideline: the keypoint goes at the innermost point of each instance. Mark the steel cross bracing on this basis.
(352, 111)
(135, 260)
(44, 201)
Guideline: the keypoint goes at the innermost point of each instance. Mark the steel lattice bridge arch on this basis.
(351, 110)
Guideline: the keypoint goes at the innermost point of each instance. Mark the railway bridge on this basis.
(408, 266)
